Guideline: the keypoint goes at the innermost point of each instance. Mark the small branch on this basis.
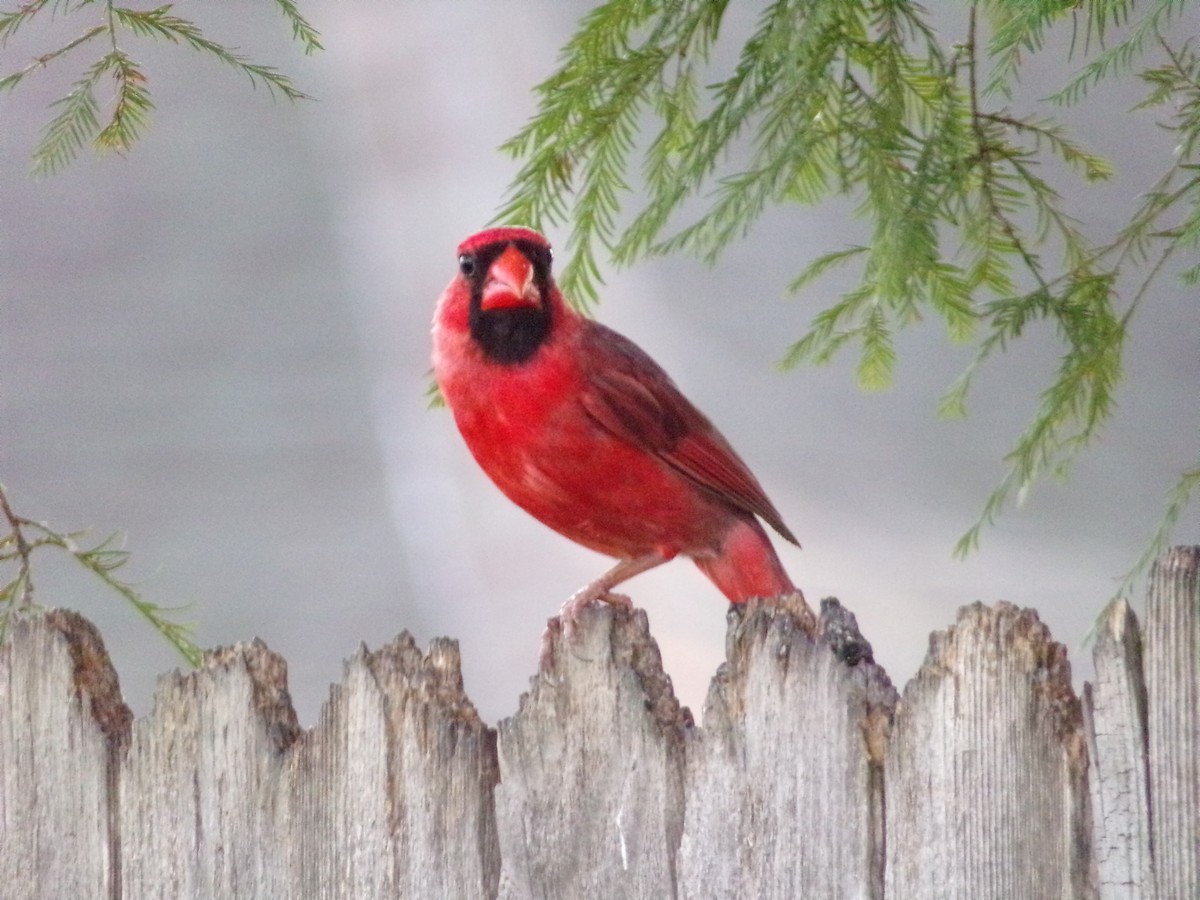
(1184, 73)
(984, 151)
(24, 599)
(40, 62)
(102, 560)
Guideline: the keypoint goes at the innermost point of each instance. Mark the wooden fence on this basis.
(810, 778)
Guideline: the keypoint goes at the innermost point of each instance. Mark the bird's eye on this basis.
(466, 264)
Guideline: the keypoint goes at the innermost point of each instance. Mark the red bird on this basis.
(583, 430)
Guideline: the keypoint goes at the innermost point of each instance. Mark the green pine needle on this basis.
(114, 123)
(131, 108)
(24, 537)
(434, 398)
(160, 23)
(77, 122)
(645, 147)
(302, 29)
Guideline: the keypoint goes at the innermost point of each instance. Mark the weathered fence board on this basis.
(61, 726)
(423, 824)
(1173, 720)
(986, 771)
(783, 798)
(388, 796)
(590, 801)
(1115, 712)
(808, 778)
(195, 806)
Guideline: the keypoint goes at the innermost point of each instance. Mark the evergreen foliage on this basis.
(866, 99)
(26, 536)
(79, 118)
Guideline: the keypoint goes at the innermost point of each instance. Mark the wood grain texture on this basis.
(197, 785)
(986, 770)
(784, 798)
(590, 801)
(1172, 661)
(390, 795)
(988, 781)
(62, 727)
(1115, 715)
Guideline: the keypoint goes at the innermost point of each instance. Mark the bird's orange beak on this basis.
(510, 282)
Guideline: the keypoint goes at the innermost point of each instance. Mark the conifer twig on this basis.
(101, 560)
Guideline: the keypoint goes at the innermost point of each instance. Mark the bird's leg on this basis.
(600, 590)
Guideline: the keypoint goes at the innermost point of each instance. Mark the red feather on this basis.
(582, 429)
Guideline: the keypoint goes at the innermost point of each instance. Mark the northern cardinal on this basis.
(582, 429)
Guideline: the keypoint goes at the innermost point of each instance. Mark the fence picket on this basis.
(809, 777)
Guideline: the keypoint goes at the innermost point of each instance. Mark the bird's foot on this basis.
(568, 614)
(599, 590)
(596, 592)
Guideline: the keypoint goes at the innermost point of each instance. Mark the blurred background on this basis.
(219, 345)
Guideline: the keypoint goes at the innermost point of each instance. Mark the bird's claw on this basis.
(569, 614)
(582, 599)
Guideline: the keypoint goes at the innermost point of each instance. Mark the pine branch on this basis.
(1018, 28)
(859, 98)
(77, 122)
(117, 125)
(592, 104)
(1119, 58)
(1092, 166)
(1177, 500)
(11, 22)
(18, 592)
(822, 265)
(162, 24)
(11, 80)
(1075, 406)
(102, 560)
(302, 29)
(131, 109)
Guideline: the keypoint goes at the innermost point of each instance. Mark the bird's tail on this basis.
(746, 565)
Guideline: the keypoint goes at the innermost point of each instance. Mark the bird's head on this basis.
(512, 295)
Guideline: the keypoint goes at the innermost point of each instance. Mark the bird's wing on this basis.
(630, 395)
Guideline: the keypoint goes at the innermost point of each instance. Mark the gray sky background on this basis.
(220, 346)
